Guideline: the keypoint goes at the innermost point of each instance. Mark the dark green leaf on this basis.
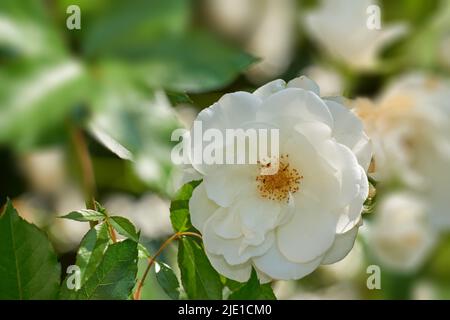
(179, 207)
(115, 276)
(200, 280)
(253, 290)
(85, 215)
(204, 63)
(232, 284)
(128, 24)
(124, 227)
(179, 98)
(28, 265)
(167, 280)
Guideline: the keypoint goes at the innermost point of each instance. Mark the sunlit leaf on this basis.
(124, 227)
(85, 215)
(89, 256)
(28, 265)
(35, 98)
(136, 125)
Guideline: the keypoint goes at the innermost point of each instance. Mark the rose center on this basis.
(278, 184)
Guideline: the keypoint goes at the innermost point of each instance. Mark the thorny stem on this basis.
(137, 294)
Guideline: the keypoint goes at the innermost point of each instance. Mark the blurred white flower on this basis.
(400, 235)
(409, 125)
(68, 233)
(425, 290)
(344, 290)
(329, 81)
(308, 212)
(340, 27)
(45, 170)
(266, 28)
(149, 213)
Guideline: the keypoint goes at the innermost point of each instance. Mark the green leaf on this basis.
(28, 265)
(179, 207)
(422, 50)
(136, 125)
(89, 256)
(124, 227)
(232, 284)
(27, 30)
(167, 280)
(91, 250)
(115, 276)
(143, 252)
(36, 97)
(200, 280)
(253, 290)
(177, 98)
(85, 215)
(129, 24)
(205, 63)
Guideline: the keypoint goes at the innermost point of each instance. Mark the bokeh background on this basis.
(137, 70)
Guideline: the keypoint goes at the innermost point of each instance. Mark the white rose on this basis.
(409, 125)
(308, 213)
(400, 235)
(340, 27)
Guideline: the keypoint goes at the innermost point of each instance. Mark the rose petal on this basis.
(304, 82)
(341, 247)
(309, 234)
(240, 272)
(277, 266)
(201, 207)
(270, 88)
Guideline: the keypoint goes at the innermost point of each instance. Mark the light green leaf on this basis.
(28, 265)
(253, 290)
(124, 227)
(85, 215)
(26, 30)
(143, 252)
(136, 125)
(425, 44)
(179, 207)
(36, 97)
(115, 276)
(167, 280)
(200, 280)
(89, 256)
(91, 250)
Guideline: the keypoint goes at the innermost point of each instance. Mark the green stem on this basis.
(137, 293)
